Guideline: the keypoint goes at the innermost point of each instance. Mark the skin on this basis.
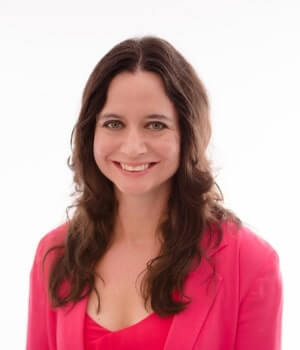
(134, 138)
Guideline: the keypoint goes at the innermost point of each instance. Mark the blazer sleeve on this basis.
(260, 312)
(39, 313)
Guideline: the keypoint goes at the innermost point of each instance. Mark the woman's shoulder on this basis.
(45, 256)
(239, 237)
(55, 237)
(248, 253)
(247, 241)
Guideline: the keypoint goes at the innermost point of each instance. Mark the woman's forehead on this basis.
(140, 93)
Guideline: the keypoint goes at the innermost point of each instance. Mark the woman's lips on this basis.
(130, 164)
(135, 173)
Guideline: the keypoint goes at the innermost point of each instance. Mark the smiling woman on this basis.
(150, 258)
(134, 142)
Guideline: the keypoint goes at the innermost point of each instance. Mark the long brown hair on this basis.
(195, 201)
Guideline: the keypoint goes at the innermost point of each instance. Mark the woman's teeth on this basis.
(134, 168)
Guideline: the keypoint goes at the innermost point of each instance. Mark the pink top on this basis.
(239, 309)
(148, 334)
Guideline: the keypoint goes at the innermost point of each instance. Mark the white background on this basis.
(247, 54)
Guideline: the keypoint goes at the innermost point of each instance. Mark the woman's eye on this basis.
(116, 124)
(113, 123)
(158, 125)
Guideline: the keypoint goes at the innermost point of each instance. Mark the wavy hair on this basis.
(195, 201)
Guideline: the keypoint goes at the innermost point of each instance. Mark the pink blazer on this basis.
(241, 311)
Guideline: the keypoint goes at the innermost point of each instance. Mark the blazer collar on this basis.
(70, 322)
(203, 293)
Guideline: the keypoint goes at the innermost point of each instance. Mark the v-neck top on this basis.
(147, 334)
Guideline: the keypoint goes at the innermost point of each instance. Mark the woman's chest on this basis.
(121, 302)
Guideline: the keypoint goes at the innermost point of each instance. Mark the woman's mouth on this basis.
(140, 169)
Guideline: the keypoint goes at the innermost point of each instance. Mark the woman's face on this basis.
(137, 139)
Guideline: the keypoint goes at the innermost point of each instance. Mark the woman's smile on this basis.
(137, 170)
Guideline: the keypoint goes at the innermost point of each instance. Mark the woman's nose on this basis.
(133, 143)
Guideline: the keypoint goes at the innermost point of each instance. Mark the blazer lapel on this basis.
(186, 325)
(184, 328)
(70, 323)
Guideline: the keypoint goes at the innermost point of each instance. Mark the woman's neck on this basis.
(138, 218)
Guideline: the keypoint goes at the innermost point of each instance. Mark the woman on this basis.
(150, 258)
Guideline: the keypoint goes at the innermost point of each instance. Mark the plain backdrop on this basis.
(247, 55)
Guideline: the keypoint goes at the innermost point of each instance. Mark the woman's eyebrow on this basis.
(150, 116)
